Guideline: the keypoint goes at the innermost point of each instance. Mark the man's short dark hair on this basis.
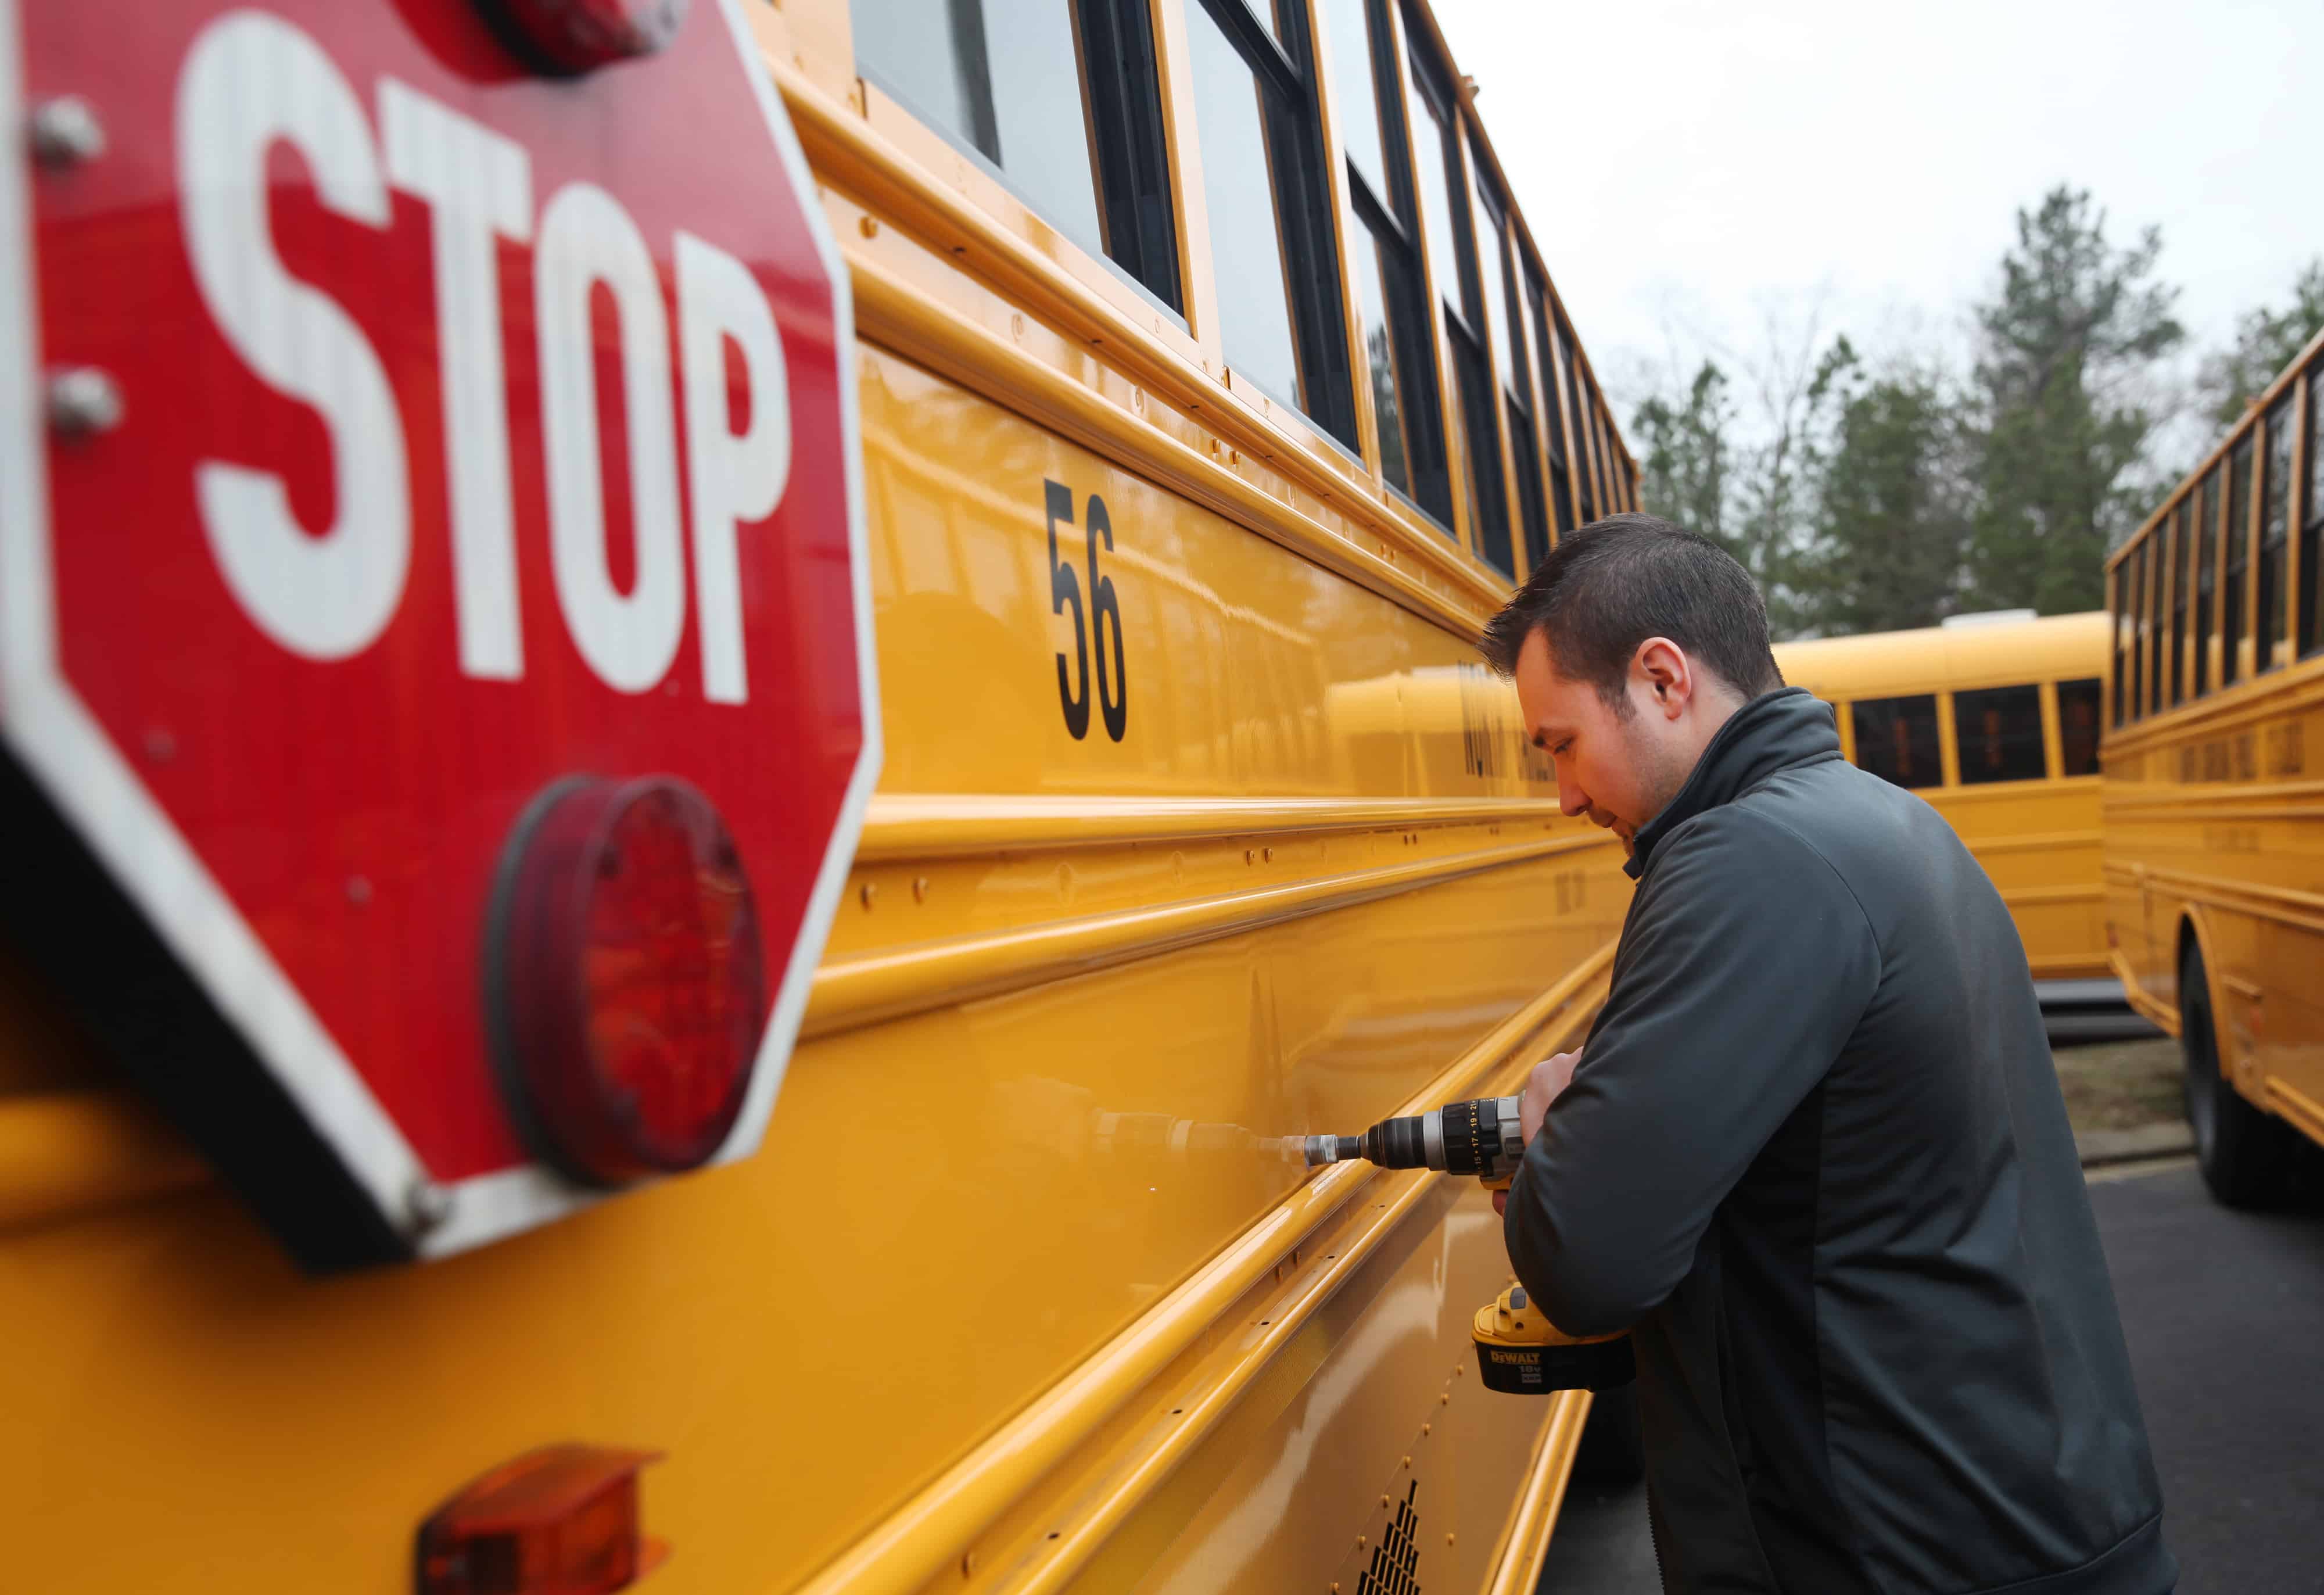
(1609, 586)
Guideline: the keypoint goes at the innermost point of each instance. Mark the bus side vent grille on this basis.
(1397, 1558)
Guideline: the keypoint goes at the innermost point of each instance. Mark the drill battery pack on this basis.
(1521, 1353)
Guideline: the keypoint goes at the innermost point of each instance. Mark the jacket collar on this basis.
(1772, 732)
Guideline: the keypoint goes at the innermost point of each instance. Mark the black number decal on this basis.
(1066, 587)
(1103, 606)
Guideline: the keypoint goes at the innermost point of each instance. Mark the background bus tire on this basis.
(2249, 1158)
(1613, 1451)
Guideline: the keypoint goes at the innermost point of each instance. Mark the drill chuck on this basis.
(1479, 1137)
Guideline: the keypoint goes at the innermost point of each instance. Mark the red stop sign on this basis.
(396, 432)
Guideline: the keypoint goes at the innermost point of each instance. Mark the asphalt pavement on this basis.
(2224, 1313)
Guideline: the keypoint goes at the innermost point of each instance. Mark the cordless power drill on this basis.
(1518, 1350)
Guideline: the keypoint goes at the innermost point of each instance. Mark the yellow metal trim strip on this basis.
(890, 311)
(2288, 1102)
(957, 824)
(2017, 896)
(2304, 910)
(928, 1532)
(1526, 1541)
(2032, 842)
(68, 1152)
(859, 990)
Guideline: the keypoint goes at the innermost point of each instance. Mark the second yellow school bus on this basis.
(1994, 719)
(2215, 878)
(1213, 393)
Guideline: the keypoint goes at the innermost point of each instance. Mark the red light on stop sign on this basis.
(625, 985)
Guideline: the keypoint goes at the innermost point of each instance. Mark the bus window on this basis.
(1059, 97)
(2274, 528)
(2174, 661)
(2238, 533)
(1578, 419)
(1896, 739)
(2077, 726)
(2134, 637)
(1385, 258)
(1276, 269)
(1476, 445)
(2311, 517)
(1999, 730)
(1561, 484)
(1536, 524)
(2207, 577)
(2158, 599)
(2116, 584)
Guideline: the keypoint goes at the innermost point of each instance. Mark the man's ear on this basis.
(1664, 670)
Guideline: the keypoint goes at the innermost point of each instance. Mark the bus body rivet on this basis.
(426, 1205)
(83, 401)
(66, 131)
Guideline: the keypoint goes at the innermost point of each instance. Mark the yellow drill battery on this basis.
(1521, 1353)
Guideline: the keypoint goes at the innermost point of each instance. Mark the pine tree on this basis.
(2067, 346)
(2265, 343)
(1689, 457)
(1894, 506)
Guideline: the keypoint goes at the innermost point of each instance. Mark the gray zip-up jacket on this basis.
(1815, 1157)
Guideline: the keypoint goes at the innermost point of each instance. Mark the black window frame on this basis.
(2238, 531)
(1934, 747)
(2206, 498)
(2268, 627)
(1122, 99)
(2174, 665)
(1468, 345)
(2311, 519)
(2117, 580)
(1396, 238)
(2134, 643)
(2019, 706)
(2066, 731)
(1546, 319)
(1284, 62)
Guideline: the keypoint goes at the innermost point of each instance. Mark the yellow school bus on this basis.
(2215, 902)
(1213, 390)
(1994, 719)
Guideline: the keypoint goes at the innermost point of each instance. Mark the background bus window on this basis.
(2275, 529)
(2311, 514)
(1276, 271)
(2135, 641)
(1999, 733)
(2077, 726)
(2206, 576)
(1896, 739)
(2117, 587)
(1059, 95)
(1385, 255)
(2174, 661)
(2158, 595)
(2237, 532)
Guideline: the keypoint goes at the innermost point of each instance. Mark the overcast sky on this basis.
(1684, 163)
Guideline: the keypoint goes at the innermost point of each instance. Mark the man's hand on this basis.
(1549, 1078)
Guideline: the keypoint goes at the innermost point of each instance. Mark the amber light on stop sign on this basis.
(625, 986)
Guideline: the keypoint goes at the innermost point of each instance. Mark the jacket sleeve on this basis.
(1745, 963)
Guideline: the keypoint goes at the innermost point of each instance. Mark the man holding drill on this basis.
(1813, 1155)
